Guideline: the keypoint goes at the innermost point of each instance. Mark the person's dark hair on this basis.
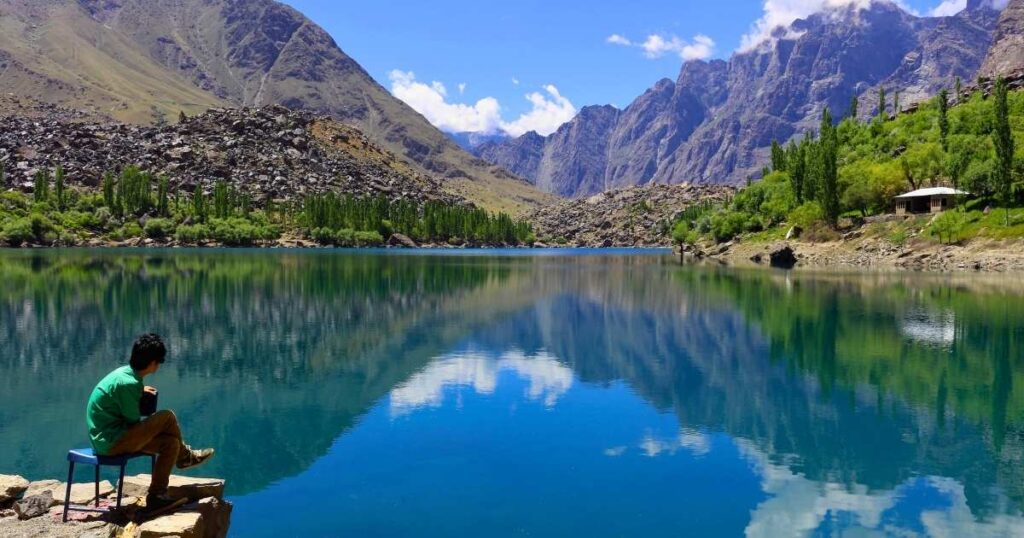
(148, 348)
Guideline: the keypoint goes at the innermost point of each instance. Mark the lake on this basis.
(571, 393)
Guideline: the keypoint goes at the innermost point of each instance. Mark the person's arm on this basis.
(128, 400)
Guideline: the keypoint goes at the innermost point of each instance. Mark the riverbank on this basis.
(31, 509)
(988, 255)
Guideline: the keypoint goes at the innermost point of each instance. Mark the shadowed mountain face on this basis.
(716, 121)
(1007, 53)
(144, 60)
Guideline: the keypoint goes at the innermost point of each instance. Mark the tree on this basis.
(162, 203)
(896, 104)
(108, 191)
(182, 118)
(881, 103)
(944, 119)
(3, 174)
(58, 187)
(959, 91)
(41, 189)
(796, 163)
(199, 209)
(1002, 137)
(829, 169)
(778, 157)
(854, 103)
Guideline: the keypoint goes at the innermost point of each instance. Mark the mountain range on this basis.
(143, 61)
(716, 121)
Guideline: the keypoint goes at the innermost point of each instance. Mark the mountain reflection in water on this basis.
(394, 394)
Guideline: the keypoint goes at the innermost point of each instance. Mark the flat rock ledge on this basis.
(31, 509)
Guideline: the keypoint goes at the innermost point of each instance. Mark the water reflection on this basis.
(764, 404)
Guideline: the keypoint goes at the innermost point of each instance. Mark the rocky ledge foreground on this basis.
(36, 508)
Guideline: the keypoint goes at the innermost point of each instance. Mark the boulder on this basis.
(34, 506)
(11, 487)
(181, 524)
(216, 516)
(83, 493)
(179, 486)
(399, 240)
(782, 257)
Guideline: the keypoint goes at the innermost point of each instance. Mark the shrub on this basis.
(191, 233)
(17, 232)
(234, 231)
(159, 228)
(728, 224)
(807, 215)
(948, 226)
(684, 234)
(368, 239)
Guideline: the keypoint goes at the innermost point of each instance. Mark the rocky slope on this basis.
(141, 61)
(716, 121)
(1007, 52)
(270, 152)
(631, 217)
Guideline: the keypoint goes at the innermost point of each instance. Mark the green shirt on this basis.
(113, 407)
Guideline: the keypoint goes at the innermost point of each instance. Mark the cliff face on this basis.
(144, 60)
(716, 121)
(1007, 52)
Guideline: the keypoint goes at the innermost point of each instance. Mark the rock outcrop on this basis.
(716, 121)
(632, 217)
(1007, 52)
(207, 515)
(11, 488)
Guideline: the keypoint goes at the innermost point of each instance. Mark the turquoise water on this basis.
(573, 393)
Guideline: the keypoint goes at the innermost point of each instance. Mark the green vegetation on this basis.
(853, 170)
(137, 205)
(350, 221)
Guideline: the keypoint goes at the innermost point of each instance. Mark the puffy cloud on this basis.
(656, 46)
(515, 81)
(549, 109)
(783, 12)
(430, 100)
(616, 39)
(462, 88)
(948, 7)
(548, 114)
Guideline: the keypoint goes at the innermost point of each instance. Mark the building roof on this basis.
(932, 191)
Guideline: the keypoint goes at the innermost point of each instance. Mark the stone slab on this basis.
(181, 524)
(81, 493)
(178, 486)
(11, 487)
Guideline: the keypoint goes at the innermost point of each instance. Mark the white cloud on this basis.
(948, 7)
(462, 88)
(656, 46)
(549, 109)
(515, 81)
(783, 12)
(616, 39)
(548, 114)
(429, 100)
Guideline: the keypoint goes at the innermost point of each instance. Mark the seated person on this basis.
(116, 428)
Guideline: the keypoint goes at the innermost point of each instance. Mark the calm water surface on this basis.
(578, 394)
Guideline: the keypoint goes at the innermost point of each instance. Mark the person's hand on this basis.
(151, 390)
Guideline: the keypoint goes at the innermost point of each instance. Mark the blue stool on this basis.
(88, 457)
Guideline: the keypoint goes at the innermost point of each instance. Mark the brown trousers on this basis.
(160, 435)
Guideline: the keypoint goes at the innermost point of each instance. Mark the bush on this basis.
(191, 233)
(807, 216)
(17, 232)
(728, 224)
(240, 232)
(159, 228)
(369, 239)
(948, 226)
(683, 234)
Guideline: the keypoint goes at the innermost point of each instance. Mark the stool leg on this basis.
(67, 491)
(97, 486)
(120, 485)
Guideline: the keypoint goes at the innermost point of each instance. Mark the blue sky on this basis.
(478, 65)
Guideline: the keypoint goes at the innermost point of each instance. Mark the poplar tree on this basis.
(796, 157)
(1002, 137)
(881, 103)
(896, 104)
(3, 174)
(778, 157)
(854, 104)
(199, 203)
(944, 119)
(41, 189)
(58, 187)
(108, 190)
(162, 203)
(829, 168)
(959, 92)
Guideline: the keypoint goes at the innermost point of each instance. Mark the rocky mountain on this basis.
(270, 152)
(142, 61)
(1007, 52)
(716, 121)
